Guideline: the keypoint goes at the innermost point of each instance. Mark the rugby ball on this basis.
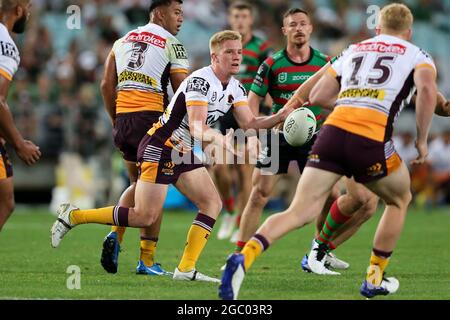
(299, 126)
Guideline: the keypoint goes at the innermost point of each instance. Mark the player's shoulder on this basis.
(4, 34)
(201, 80)
(259, 41)
(237, 85)
(278, 56)
(7, 45)
(319, 55)
(205, 73)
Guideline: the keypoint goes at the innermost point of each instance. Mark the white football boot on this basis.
(193, 275)
(317, 259)
(336, 263)
(62, 224)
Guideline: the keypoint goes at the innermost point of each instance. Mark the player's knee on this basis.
(148, 220)
(368, 209)
(260, 195)
(407, 197)
(400, 201)
(211, 205)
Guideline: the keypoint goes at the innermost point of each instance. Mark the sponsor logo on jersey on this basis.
(301, 77)
(180, 51)
(378, 94)
(214, 97)
(146, 37)
(136, 77)
(199, 85)
(9, 49)
(381, 47)
(286, 96)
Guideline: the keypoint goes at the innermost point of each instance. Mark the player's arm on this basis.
(247, 120)
(197, 113)
(425, 81)
(301, 95)
(176, 78)
(442, 105)
(108, 86)
(27, 151)
(325, 91)
(254, 102)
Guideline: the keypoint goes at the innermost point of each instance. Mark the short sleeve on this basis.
(240, 95)
(260, 84)
(338, 62)
(197, 91)
(178, 57)
(424, 60)
(8, 60)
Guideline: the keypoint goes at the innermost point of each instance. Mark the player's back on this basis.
(145, 57)
(377, 80)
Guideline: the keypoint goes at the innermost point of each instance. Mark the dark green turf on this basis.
(30, 268)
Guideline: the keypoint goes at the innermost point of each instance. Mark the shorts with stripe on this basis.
(130, 128)
(352, 155)
(6, 170)
(157, 163)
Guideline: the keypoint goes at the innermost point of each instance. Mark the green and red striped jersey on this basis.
(279, 76)
(253, 54)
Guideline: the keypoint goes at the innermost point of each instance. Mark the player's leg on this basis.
(224, 179)
(149, 200)
(111, 244)
(224, 182)
(273, 161)
(6, 187)
(6, 199)
(394, 190)
(345, 217)
(263, 185)
(198, 187)
(148, 244)
(361, 204)
(148, 241)
(244, 187)
(312, 191)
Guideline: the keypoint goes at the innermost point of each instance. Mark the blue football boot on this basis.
(387, 286)
(110, 253)
(154, 270)
(232, 277)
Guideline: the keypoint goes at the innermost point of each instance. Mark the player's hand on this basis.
(285, 111)
(422, 150)
(28, 152)
(2, 141)
(446, 108)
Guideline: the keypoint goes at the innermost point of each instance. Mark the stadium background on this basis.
(56, 101)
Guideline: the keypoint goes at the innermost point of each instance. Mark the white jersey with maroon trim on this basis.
(145, 58)
(9, 54)
(201, 88)
(377, 81)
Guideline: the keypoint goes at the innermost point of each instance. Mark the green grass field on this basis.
(30, 268)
